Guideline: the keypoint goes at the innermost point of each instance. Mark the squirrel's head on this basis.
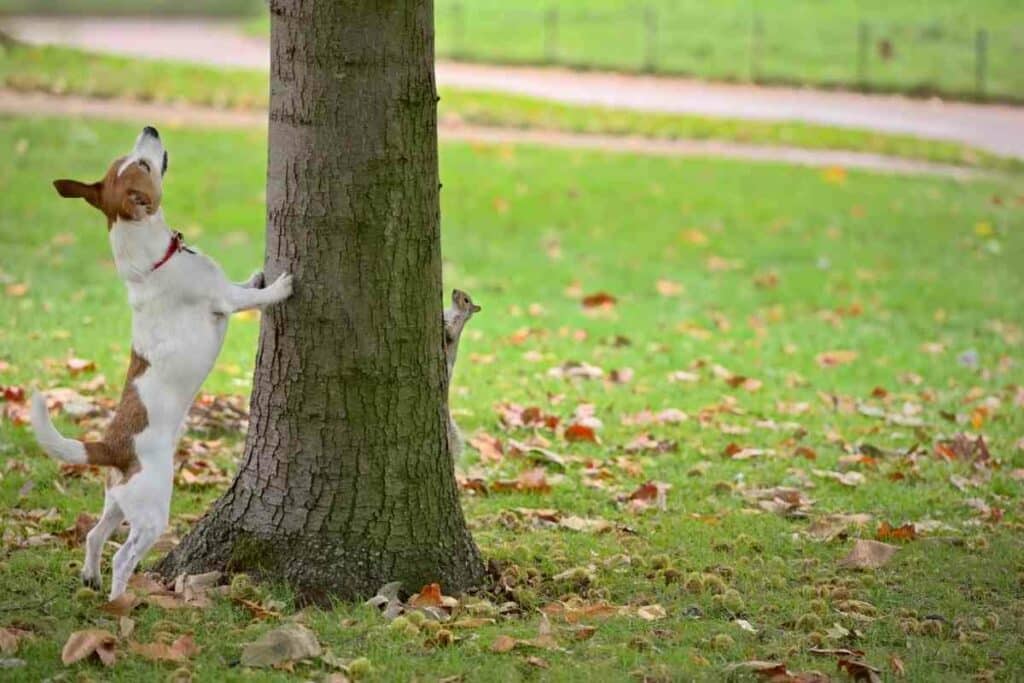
(462, 302)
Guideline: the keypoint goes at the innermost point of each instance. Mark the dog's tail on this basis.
(68, 450)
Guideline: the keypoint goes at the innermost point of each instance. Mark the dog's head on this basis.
(133, 186)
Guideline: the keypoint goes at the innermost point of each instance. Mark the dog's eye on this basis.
(144, 164)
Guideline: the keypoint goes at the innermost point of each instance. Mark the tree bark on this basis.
(347, 481)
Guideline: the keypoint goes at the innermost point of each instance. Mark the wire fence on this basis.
(927, 57)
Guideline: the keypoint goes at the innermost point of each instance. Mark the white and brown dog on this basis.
(180, 302)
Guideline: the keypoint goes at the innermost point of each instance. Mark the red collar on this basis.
(176, 245)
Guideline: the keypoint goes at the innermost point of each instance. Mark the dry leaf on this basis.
(669, 287)
(182, 649)
(503, 643)
(887, 532)
(598, 300)
(868, 555)
(488, 446)
(83, 644)
(651, 612)
(122, 605)
(429, 596)
(287, 643)
(830, 359)
(580, 432)
(79, 365)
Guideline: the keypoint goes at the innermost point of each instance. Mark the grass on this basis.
(62, 70)
(776, 264)
(218, 8)
(931, 46)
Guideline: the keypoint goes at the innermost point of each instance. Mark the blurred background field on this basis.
(958, 48)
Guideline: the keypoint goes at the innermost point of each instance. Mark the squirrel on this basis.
(455, 319)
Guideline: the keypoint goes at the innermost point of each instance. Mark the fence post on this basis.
(551, 35)
(863, 53)
(458, 30)
(980, 61)
(756, 42)
(651, 37)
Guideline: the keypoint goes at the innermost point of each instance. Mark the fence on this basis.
(924, 58)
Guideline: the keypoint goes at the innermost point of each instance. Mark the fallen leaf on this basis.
(122, 605)
(503, 643)
(868, 555)
(887, 532)
(489, 447)
(651, 612)
(80, 365)
(850, 478)
(182, 649)
(284, 644)
(429, 596)
(834, 175)
(579, 432)
(93, 641)
(831, 359)
(860, 671)
(669, 287)
(598, 300)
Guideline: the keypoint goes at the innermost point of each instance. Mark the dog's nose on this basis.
(151, 132)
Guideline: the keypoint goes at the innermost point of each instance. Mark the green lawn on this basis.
(910, 45)
(766, 266)
(66, 71)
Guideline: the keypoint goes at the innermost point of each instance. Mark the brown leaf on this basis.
(503, 643)
(669, 287)
(598, 300)
(898, 668)
(576, 610)
(650, 493)
(181, 650)
(580, 432)
(93, 641)
(887, 532)
(75, 535)
(651, 612)
(17, 289)
(281, 646)
(79, 365)
(14, 394)
(859, 670)
(831, 359)
(144, 584)
(10, 637)
(488, 446)
(122, 605)
(868, 555)
(429, 596)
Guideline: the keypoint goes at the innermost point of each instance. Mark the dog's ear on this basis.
(137, 204)
(73, 189)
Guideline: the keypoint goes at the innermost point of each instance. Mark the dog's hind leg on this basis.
(143, 535)
(96, 539)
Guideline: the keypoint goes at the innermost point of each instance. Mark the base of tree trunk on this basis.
(320, 569)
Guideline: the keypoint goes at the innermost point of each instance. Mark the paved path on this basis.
(36, 104)
(996, 128)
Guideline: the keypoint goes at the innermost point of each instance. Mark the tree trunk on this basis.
(347, 481)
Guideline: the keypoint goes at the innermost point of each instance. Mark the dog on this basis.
(180, 302)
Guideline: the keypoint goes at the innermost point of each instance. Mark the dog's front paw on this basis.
(91, 581)
(282, 287)
(257, 281)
